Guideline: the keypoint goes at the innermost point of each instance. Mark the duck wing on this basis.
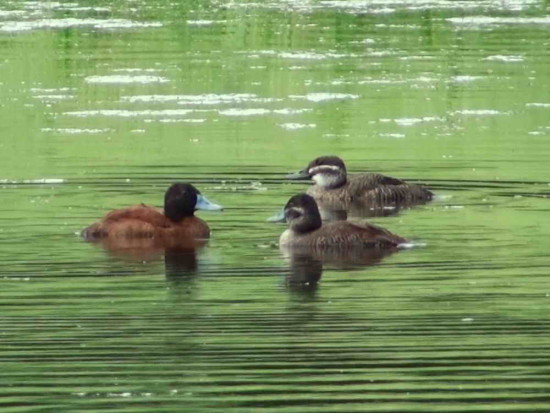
(402, 194)
(142, 213)
(367, 182)
(385, 189)
(135, 221)
(347, 234)
(371, 231)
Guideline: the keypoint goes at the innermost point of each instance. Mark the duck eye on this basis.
(293, 213)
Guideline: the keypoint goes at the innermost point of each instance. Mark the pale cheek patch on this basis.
(298, 210)
(294, 212)
(324, 180)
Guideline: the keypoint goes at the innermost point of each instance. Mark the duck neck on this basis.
(340, 181)
(176, 214)
(307, 224)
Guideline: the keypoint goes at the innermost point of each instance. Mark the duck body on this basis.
(334, 189)
(342, 234)
(306, 229)
(146, 227)
(370, 188)
(143, 221)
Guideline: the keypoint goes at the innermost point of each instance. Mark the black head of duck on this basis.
(181, 200)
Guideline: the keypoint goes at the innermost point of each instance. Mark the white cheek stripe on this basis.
(322, 168)
(298, 209)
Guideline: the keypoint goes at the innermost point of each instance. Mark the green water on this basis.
(104, 105)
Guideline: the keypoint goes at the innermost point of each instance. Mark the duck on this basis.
(146, 227)
(335, 189)
(306, 229)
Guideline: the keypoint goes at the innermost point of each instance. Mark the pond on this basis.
(105, 104)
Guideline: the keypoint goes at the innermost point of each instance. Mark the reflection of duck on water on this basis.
(180, 261)
(336, 211)
(306, 264)
(335, 257)
(332, 212)
(368, 194)
(305, 271)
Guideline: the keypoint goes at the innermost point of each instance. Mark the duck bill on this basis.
(278, 217)
(303, 174)
(205, 205)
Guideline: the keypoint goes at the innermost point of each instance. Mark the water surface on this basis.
(104, 105)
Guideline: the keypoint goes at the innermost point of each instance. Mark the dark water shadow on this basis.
(180, 259)
(181, 267)
(339, 211)
(180, 262)
(304, 274)
(306, 265)
(304, 311)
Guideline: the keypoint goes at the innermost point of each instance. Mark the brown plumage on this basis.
(306, 229)
(343, 234)
(143, 226)
(143, 221)
(374, 188)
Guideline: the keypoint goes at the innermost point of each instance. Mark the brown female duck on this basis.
(307, 230)
(334, 188)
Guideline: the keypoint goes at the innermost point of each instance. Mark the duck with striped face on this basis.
(369, 194)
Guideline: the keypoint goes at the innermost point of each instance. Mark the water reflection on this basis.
(180, 260)
(304, 273)
(338, 211)
(306, 264)
(108, 111)
(181, 268)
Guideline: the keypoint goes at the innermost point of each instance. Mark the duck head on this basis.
(326, 171)
(182, 200)
(301, 214)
